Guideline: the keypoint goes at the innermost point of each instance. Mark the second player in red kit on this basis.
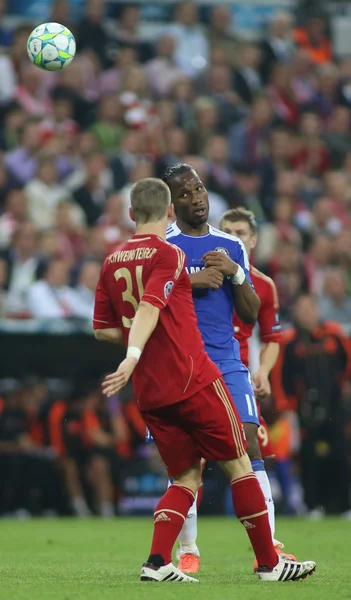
(270, 333)
(241, 223)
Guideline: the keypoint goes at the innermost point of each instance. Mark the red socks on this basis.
(169, 516)
(250, 508)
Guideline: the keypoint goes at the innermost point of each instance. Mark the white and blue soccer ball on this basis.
(51, 46)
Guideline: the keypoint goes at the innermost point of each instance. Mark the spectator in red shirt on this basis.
(282, 94)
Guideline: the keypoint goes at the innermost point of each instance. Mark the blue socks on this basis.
(257, 465)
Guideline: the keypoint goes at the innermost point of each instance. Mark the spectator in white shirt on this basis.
(84, 294)
(11, 61)
(23, 266)
(278, 46)
(162, 70)
(44, 194)
(191, 52)
(52, 297)
(335, 304)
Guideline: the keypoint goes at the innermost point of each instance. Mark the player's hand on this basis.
(222, 262)
(207, 278)
(262, 385)
(114, 382)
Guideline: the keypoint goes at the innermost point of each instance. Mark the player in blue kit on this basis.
(218, 268)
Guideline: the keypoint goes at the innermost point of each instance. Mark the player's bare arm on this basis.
(112, 335)
(246, 301)
(268, 357)
(207, 278)
(268, 319)
(144, 323)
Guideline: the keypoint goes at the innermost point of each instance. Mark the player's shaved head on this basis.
(173, 171)
(150, 199)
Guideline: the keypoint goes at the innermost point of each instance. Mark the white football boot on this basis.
(166, 573)
(287, 570)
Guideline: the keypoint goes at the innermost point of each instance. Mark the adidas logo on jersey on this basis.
(248, 525)
(161, 517)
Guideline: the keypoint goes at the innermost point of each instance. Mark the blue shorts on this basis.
(237, 378)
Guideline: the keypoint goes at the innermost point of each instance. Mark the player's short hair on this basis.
(150, 199)
(175, 170)
(240, 214)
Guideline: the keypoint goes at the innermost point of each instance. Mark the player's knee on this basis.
(236, 468)
(190, 478)
(253, 447)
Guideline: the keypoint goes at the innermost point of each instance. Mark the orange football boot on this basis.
(189, 563)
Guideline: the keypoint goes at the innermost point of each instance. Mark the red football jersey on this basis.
(268, 316)
(174, 364)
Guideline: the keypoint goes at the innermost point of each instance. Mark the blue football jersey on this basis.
(214, 309)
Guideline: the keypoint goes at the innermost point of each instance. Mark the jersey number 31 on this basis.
(127, 295)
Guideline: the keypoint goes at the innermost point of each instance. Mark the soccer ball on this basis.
(51, 46)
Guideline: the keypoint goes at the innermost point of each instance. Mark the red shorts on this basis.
(206, 425)
(264, 441)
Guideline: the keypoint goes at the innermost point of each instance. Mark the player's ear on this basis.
(253, 242)
(131, 215)
(170, 213)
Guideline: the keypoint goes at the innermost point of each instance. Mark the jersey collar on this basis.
(178, 231)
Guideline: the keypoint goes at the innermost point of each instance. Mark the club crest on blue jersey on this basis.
(223, 250)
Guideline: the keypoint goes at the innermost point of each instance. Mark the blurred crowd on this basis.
(266, 124)
(65, 450)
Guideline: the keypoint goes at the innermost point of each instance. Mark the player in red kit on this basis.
(241, 223)
(270, 335)
(144, 298)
